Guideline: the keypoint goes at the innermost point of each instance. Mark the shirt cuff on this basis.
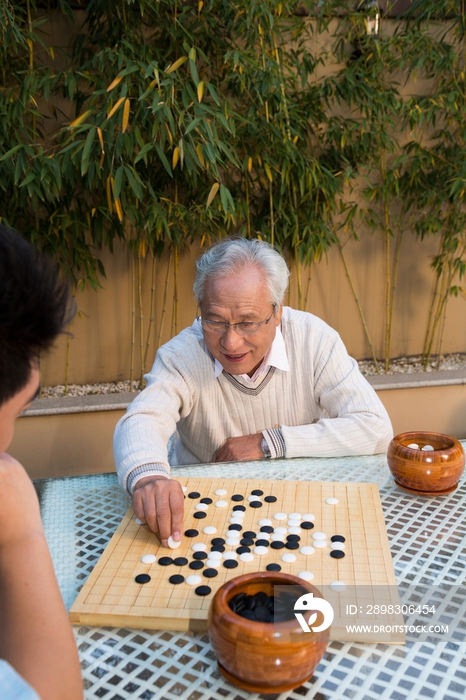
(276, 442)
(145, 470)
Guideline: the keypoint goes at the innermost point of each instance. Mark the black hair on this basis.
(34, 309)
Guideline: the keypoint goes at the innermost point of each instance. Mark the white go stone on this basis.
(183, 488)
(265, 521)
(193, 580)
(139, 522)
(320, 544)
(337, 545)
(319, 536)
(277, 537)
(280, 516)
(221, 504)
(414, 446)
(233, 533)
(213, 563)
(148, 559)
(263, 535)
(331, 501)
(210, 530)
(295, 531)
(295, 516)
(199, 547)
(427, 448)
(215, 555)
(281, 530)
(307, 551)
(238, 514)
(236, 521)
(293, 523)
(306, 575)
(288, 558)
(172, 544)
(261, 550)
(221, 492)
(308, 517)
(201, 506)
(246, 556)
(338, 586)
(232, 541)
(230, 555)
(253, 498)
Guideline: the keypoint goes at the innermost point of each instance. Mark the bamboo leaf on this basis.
(115, 107)
(118, 184)
(134, 184)
(200, 91)
(101, 138)
(143, 152)
(213, 191)
(177, 64)
(114, 83)
(268, 171)
(249, 164)
(176, 156)
(80, 119)
(109, 194)
(119, 209)
(87, 150)
(125, 119)
(164, 160)
(200, 155)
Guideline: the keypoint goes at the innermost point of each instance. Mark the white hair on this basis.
(235, 254)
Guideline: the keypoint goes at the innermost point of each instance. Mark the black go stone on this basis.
(273, 567)
(202, 590)
(257, 492)
(191, 533)
(196, 564)
(267, 528)
(210, 573)
(230, 563)
(270, 499)
(176, 578)
(248, 615)
(249, 533)
(165, 561)
(243, 508)
(337, 553)
(208, 501)
(200, 514)
(292, 545)
(237, 497)
(217, 548)
(276, 544)
(255, 504)
(235, 526)
(262, 543)
(180, 561)
(306, 525)
(262, 613)
(200, 555)
(193, 494)
(142, 578)
(247, 541)
(218, 540)
(337, 538)
(293, 538)
(243, 549)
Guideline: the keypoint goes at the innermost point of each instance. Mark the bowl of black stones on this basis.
(259, 643)
(426, 463)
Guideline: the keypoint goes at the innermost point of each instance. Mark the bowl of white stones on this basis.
(426, 463)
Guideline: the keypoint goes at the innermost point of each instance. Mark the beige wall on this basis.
(100, 347)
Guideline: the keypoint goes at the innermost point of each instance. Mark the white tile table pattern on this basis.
(428, 543)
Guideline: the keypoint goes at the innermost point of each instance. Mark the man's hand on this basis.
(240, 449)
(158, 501)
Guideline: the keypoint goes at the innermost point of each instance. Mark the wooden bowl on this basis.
(433, 473)
(263, 657)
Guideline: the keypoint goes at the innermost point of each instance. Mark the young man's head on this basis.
(34, 308)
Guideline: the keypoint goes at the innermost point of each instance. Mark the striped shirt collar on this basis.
(275, 357)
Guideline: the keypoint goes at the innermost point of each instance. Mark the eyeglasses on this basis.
(244, 328)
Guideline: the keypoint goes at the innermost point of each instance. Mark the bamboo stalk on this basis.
(152, 301)
(133, 321)
(308, 286)
(67, 358)
(248, 211)
(441, 334)
(358, 304)
(141, 323)
(174, 328)
(298, 281)
(394, 281)
(164, 303)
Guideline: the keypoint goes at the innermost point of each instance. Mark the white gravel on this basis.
(402, 365)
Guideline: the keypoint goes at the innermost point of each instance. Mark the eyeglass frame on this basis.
(227, 326)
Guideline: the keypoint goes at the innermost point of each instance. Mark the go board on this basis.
(112, 597)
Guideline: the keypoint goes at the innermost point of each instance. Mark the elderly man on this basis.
(250, 379)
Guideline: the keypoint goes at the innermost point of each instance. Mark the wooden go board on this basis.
(111, 597)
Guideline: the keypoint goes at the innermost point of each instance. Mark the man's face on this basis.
(239, 297)
(10, 410)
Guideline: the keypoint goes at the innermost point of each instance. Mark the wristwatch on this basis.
(265, 448)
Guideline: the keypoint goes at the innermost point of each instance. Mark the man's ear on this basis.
(278, 315)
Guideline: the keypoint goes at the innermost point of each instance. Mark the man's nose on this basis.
(231, 340)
